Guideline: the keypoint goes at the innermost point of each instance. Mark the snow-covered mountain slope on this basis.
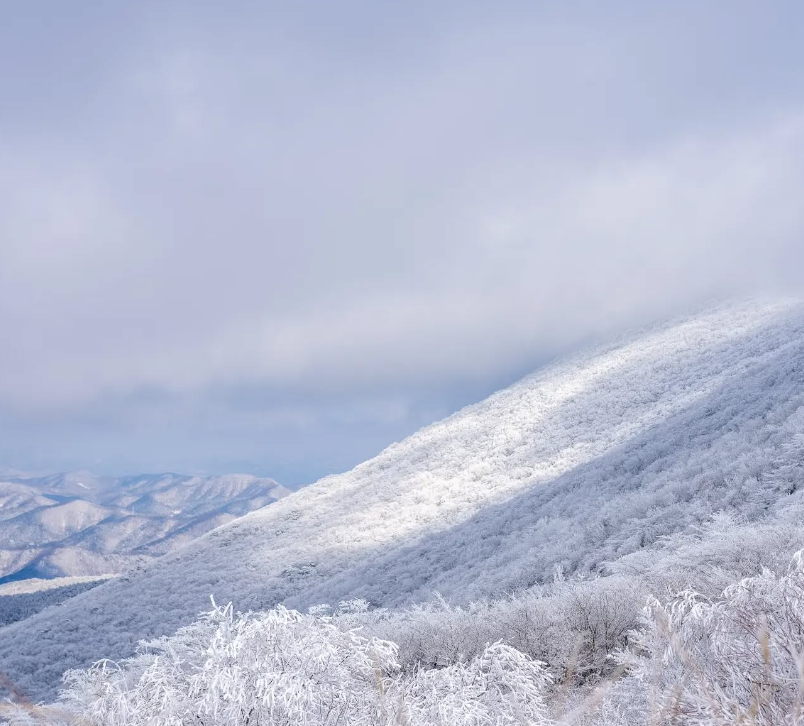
(78, 524)
(51, 523)
(579, 464)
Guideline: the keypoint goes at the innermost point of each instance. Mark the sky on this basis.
(274, 237)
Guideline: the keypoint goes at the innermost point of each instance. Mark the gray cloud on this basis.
(273, 237)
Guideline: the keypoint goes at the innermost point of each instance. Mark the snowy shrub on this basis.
(738, 659)
(500, 686)
(573, 626)
(281, 667)
(276, 667)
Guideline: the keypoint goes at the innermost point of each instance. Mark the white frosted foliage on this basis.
(283, 667)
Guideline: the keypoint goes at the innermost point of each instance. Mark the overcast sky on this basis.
(275, 237)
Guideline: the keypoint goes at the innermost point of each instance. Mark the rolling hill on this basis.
(584, 464)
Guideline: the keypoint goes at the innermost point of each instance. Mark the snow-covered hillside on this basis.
(579, 465)
(78, 524)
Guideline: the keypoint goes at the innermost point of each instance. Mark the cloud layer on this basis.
(278, 237)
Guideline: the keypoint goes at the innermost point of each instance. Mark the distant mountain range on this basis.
(78, 524)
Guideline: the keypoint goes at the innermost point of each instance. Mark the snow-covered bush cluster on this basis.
(572, 626)
(738, 659)
(283, 667)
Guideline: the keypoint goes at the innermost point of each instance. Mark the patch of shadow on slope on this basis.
(17, 607)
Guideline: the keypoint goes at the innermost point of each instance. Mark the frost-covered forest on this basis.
(613, 540)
